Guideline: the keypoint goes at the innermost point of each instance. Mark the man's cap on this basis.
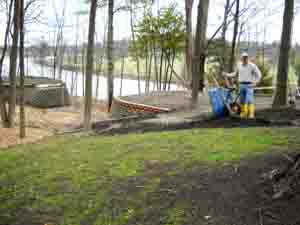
(245, 54)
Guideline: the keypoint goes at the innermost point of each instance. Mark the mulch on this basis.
(288, 113)
(239, 193)
(265, 118)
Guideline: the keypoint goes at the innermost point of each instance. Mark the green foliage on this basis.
(293, 56)
(212, 71)
(297, 66)
(292, 75)
(267, 76)
(165, 32)
(215, 55)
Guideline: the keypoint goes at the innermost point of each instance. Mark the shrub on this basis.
(297, 68)
(267, 76)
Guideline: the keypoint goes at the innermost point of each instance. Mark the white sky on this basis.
(122, 29)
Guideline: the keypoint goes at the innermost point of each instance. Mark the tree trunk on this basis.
(122, 74)
(161, 69)
(166, 71)
(89, 66)
(235, 36)
(149, 72)
(156, 83)
(72, 84)
(189, 38)
(136, 53)
(55, 61)
(110, 48)
(13, 67)
(200, 50)
(76, 61)
(59, 40)
(172, 69)
(241, 32)
(6, 36)
(146, 69)
(83, 69)
(223, 36)
(98, 77)
(3, 109)
(61, 61)
(264, 40)
(281, 96)
(22, 72)
(256, 40)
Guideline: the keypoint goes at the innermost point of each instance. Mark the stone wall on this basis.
(49, 97)
(42, 97)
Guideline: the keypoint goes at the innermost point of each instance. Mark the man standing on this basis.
(248, 76)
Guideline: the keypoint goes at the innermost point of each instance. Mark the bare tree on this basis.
(99, 72)
(89, 66)
(29, 16)
(189, 38)
(61, 54)
(6, 36)
(83, 69)
(4, 113)
(109, 54)
(13, 67)
(59, 38)
(198, 67)
(133, 41)
(100, 61)
(22, 72)
(42, 53)
(149, 69)
(223, 36)
(122, 74)
(76, 56)
(76, 59)
(281, 96)
(235, 36)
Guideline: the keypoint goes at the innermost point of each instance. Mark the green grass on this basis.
(68, 180)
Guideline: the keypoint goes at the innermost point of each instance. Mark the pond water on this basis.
(129, 86)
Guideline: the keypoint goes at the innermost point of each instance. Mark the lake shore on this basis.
(132, 75)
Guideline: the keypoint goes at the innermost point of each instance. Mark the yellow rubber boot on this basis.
(244, 111)
(251, 111)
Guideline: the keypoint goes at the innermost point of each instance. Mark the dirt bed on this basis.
(181, 100)
(279, 114)
(236, 194)
(175, 100)
(10, 137)
(41, 123)
(265, 118)
(63, 118)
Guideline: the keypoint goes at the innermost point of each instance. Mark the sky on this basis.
(272, 15)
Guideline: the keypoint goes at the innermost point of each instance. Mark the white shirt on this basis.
(247, 73)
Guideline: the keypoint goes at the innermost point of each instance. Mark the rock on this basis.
(151, 164)
(207, 217)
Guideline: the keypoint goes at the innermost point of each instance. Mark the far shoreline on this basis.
(73, 68)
